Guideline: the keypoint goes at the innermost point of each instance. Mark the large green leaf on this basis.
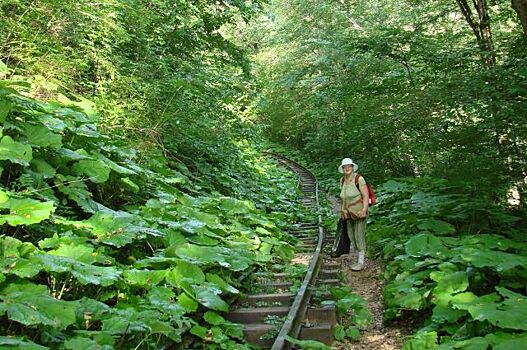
(25, 211)
(233, 259)
(213, 318)
(235, 206)
(437, 227)
(113, 228)
(209, 296)
(43, 168)
(85, 273)
(476, 343)
(163, 299)
(76, 251)
(509, 313)
(187, 302)
(501, 261)
(13, 343)
(445, 313)
(78, 192)
(116, 167)
(31, 304)
(82, 343)
(68, 154)
(421, 341)
(21, 267)
(12, 247)
(4, 197)
(15, 152)
(412, 300)
(5, 108)
(185, 272)
(449, 282)
(425, 245)
(307, 344)
(54, 124)
(220, 282)
(144, 277)
(96, 170)
(40, 136)
(507, 341)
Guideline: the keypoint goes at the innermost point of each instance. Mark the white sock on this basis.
(361, 257)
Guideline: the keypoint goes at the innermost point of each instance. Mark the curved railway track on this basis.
(301, 319)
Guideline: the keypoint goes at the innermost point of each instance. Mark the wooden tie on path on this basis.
(302, 320)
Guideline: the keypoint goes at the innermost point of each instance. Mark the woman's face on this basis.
(348, 169)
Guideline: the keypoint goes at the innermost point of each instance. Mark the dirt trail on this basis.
(369, 285)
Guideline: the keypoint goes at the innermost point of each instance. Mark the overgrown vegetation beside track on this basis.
(453, 259)
(104, 245)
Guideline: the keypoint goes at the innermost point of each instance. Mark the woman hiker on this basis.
(354, 208)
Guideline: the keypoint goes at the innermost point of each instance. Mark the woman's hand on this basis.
(363, 213)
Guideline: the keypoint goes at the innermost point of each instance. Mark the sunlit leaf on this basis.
(234, 260)
(31, 304)
(85, 273)
(144, 277)
(15, 152)
(213, 318)
(185, 272)
(26, 211)
(199, 331)
(449, 282)
(72, 155)
(82, 253)
(423, 340)
(187, 302)
(425, 245)
(501, 261)
(25, 268)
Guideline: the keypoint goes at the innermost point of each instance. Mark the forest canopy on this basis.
(404, 87)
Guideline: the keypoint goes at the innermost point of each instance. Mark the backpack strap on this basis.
(357, 177)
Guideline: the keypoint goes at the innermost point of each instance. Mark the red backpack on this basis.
(371, 195)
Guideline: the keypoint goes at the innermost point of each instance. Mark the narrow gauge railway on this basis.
(302, 319)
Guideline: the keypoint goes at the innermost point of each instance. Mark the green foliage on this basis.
(347, 302)
(448, 264)
(93, 261)
(307, 344)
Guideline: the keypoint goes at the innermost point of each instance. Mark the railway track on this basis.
(298, 316)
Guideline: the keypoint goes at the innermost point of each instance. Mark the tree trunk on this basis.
(480, 25)
(520, 6)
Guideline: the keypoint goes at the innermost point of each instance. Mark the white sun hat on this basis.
(347, 161)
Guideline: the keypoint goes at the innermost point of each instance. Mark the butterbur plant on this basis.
(104, 246)
(468, 282)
